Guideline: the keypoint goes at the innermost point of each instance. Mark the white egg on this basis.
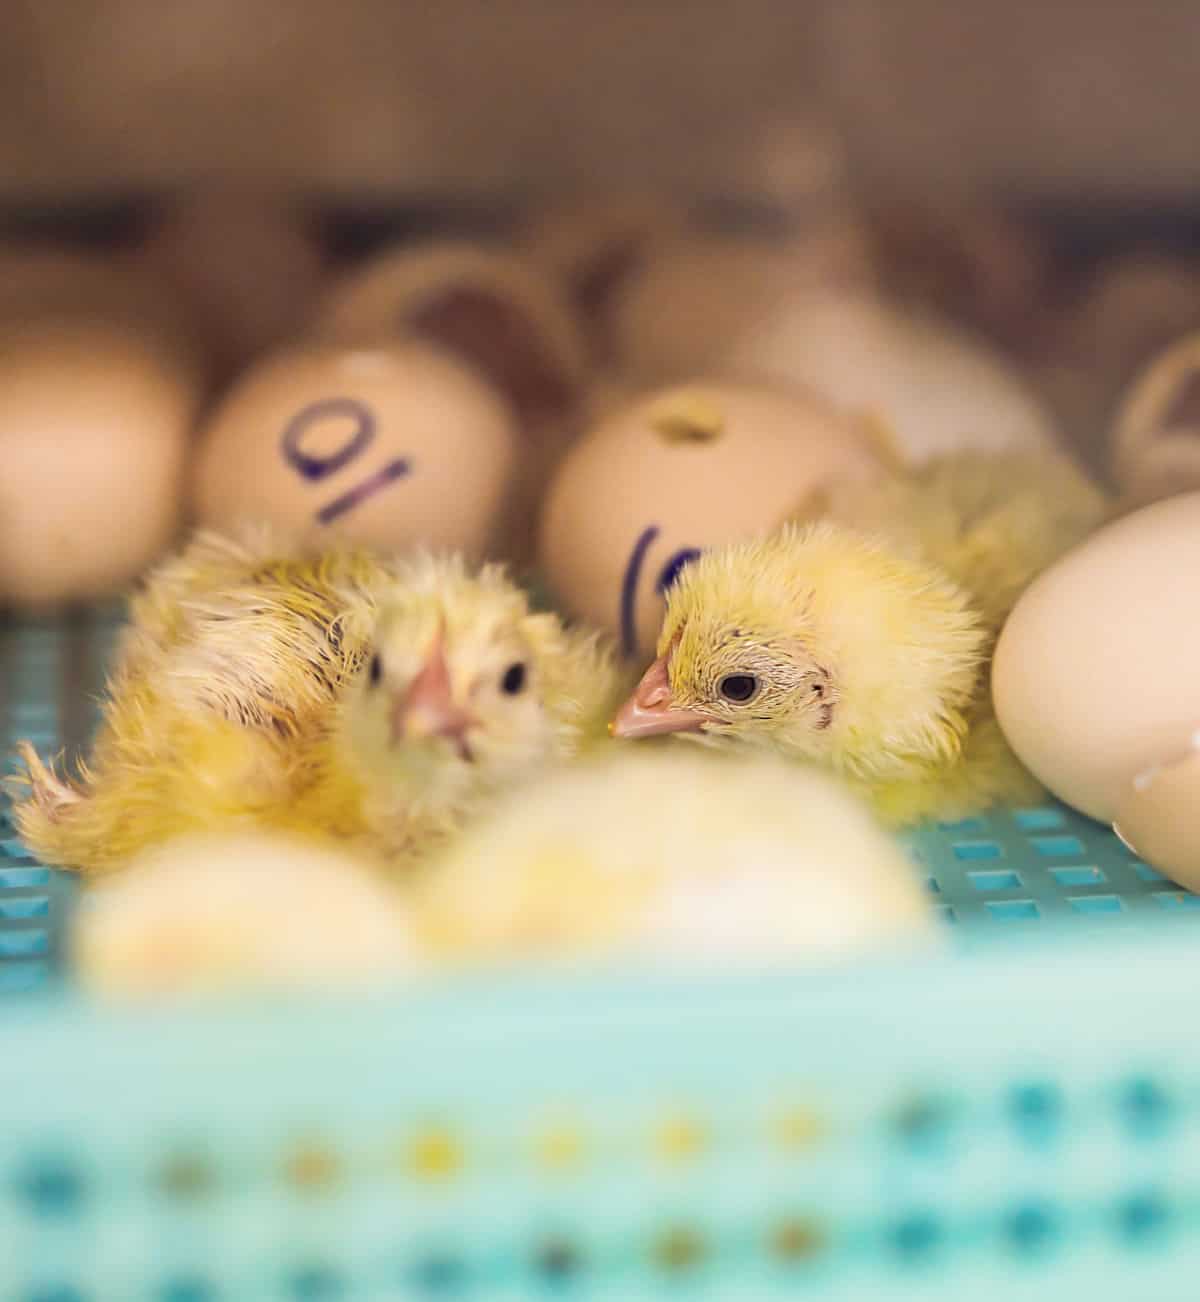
(1094, 673)
(938, 388)
(248, 909)
(677, 471)
(94, 425)
(390, 446)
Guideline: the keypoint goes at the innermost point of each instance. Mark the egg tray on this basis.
(1017, 1117)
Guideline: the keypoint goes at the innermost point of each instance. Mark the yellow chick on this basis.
(862, 642)
(672, 855)
(204, 913)
(331, 693)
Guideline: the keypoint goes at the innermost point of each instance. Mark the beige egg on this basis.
(390, 446)
(677, 471)
(685, 313)
(94, 425)
(937, 387)
(1154, 447)
(244, 266)
(1094, 673)
(495, 312)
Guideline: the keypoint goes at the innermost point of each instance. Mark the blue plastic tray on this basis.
(1018, 1118)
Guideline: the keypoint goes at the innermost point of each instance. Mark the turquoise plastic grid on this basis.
(1019, 1118)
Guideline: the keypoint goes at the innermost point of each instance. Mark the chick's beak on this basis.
(650, 710)
(428, 709)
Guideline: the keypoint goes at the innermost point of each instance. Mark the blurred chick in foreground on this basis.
(335, 694)
(248, 909)
(671, 855)
(862, 641)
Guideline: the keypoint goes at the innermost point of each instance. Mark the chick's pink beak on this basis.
(651, 711)
(428, 708)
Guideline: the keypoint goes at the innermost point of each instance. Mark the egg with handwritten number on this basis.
(388, 446)
(677, 471)
(94, 424)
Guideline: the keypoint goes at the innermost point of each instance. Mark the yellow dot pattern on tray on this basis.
(680, 1138)
(795, 1129)
(311, 1168)
(796, 1240)
(184, 1176)
(434, 1154)
(560, 1147)
(678, 1248)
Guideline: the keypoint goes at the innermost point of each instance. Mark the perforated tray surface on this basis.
(1007, 866)
(1019, 1121)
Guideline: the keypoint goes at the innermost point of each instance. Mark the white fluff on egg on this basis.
(247, 909)
(679, 855)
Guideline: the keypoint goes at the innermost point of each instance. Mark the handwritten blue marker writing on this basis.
(316, 468)
(633, 573)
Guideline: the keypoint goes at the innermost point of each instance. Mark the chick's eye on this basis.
(513, 681)
(375, 670)
(738, 688)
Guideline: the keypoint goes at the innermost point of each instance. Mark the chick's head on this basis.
(819, 642)
(455, 691)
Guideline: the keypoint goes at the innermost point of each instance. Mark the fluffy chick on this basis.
(240, 910)
(672, 855)
(334, 693)
(863, 642)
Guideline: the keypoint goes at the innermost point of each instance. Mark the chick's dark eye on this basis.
(375, 670)
(513, 681)
(738, 688)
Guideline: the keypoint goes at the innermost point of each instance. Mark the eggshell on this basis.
(936, 386)
(495, 312)
(94, 422)
(679, 470)
(1158, 817)
(1155, 440)
(389, 446)
(243, 265)
(1094, 673)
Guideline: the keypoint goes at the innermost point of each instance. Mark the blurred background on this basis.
(369, 98)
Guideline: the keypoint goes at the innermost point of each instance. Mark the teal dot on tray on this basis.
(1038, 820)
(1145, 1106)
(916, 1237)
(187, 1288)
(439, 1275)
(56, 1293)
(1036, 1109)
(558, 1260)
(923, 1122)
(315, 1283)
(52, 1187)
(1031, 1228)
(1142, 1215)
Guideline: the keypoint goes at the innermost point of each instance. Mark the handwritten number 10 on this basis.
(320, 467)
